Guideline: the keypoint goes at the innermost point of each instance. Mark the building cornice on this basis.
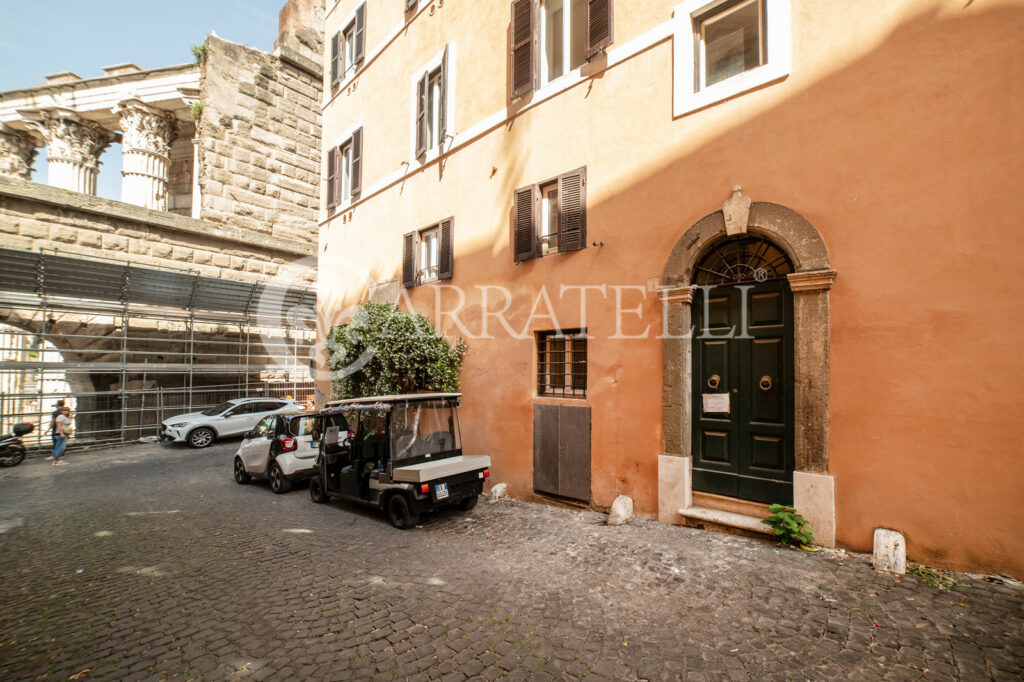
(814, 280)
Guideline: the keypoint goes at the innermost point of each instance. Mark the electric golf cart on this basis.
(399, 453)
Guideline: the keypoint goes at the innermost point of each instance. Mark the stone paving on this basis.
(149, 562)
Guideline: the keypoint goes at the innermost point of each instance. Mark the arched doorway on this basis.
(809, 279)
(742, 378)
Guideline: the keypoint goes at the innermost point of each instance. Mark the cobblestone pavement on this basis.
(149, 562)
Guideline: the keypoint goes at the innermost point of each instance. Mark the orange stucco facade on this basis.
(897, 131)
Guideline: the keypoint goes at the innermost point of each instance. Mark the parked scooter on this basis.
(12, 449)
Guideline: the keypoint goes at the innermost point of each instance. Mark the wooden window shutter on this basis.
(332, 162)
(421, 116)
(337, 176)
(410, 4)
(409, 260)
(443, 127)
(360, 31)
(335, 56)
(572, 210)
(599, 26)
(446, 254)
(521, 61)
(356, 180)
(524, 218)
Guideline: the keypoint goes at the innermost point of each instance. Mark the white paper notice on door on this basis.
(716, 402)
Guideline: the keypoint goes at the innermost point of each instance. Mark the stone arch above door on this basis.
(810, 283)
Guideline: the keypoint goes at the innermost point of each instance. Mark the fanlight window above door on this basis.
(742, 259)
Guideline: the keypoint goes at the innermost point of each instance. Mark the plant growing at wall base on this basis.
(789, 527)
(384, 351)
(932, 578)
(196, 110)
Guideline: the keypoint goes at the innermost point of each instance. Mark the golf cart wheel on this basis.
(241, 476)
(469, 502)
(399, 512)
(316, 490)
(278, 483)
(201, 438)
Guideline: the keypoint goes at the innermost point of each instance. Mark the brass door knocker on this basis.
(714, 381)
(766, 383)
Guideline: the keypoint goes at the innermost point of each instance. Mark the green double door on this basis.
(743, 391)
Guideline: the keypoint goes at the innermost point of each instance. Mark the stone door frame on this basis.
(813, 487)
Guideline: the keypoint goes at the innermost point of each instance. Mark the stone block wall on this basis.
(179, 185)
(260, 141)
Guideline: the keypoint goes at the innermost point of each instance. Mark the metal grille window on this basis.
(562, 363)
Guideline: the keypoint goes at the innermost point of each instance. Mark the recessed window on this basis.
(344, 171)
(427, 254)
(429, 242)
(562, 363)
(347, 46)
(551, 216)
(564, 31)
(731, 41)
(432, 117)
(724, 48)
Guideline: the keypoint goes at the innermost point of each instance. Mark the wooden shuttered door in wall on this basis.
(599, 26)
(332, 166)
(561, 450)
(572, 210)
(356, 180)
(409, 259)
(421, 116)
(335, 58)
(446, 252)
(521, 59)
(360, 32)
(524, 223)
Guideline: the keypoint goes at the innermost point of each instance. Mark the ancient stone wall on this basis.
(260, 140)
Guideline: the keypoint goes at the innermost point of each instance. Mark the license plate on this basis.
(441, 491)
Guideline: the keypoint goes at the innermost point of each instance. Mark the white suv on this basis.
(233, 418)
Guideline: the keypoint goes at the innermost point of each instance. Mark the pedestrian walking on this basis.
(57, 407)
(63, 432)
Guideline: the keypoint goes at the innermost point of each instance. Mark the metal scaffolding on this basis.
(137, 345)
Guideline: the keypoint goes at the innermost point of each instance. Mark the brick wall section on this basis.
(260, 152)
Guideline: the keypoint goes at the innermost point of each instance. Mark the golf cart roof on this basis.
(406, 397)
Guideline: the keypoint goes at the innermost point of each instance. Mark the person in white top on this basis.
(62, 433)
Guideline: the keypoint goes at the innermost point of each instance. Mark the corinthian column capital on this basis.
(69, 137)
(17, 152)
(146, 128)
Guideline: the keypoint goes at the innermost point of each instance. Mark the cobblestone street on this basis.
(149, 562)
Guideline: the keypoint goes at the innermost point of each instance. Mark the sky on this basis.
(41, 37)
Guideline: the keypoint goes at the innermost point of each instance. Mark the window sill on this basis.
(737, 85)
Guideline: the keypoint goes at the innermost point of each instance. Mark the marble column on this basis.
(73, 148)
(145, 151)
(17, 152)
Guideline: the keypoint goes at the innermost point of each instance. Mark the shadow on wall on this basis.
(904, 160)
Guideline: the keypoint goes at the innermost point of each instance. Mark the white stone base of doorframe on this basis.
(675, 491)
(814, 497)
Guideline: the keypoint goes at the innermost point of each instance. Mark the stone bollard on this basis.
(890, 551)
(499, 492)
(621, 511)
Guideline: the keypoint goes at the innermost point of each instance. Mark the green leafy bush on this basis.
(789, 527)
(384, 351)
(196, 110)
(200, 52)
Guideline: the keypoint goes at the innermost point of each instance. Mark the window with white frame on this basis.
(432, 98)
(563, 29)
(347, 46)
(549, 218)
(427, 254)
(723, 48)
(344, 171)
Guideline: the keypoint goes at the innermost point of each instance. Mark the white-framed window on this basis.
(723, 48)
(347, 46)
(563, 30)
(549, 218)
(348, 52)
(433, 96)
(429, 254)
(344, 169)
